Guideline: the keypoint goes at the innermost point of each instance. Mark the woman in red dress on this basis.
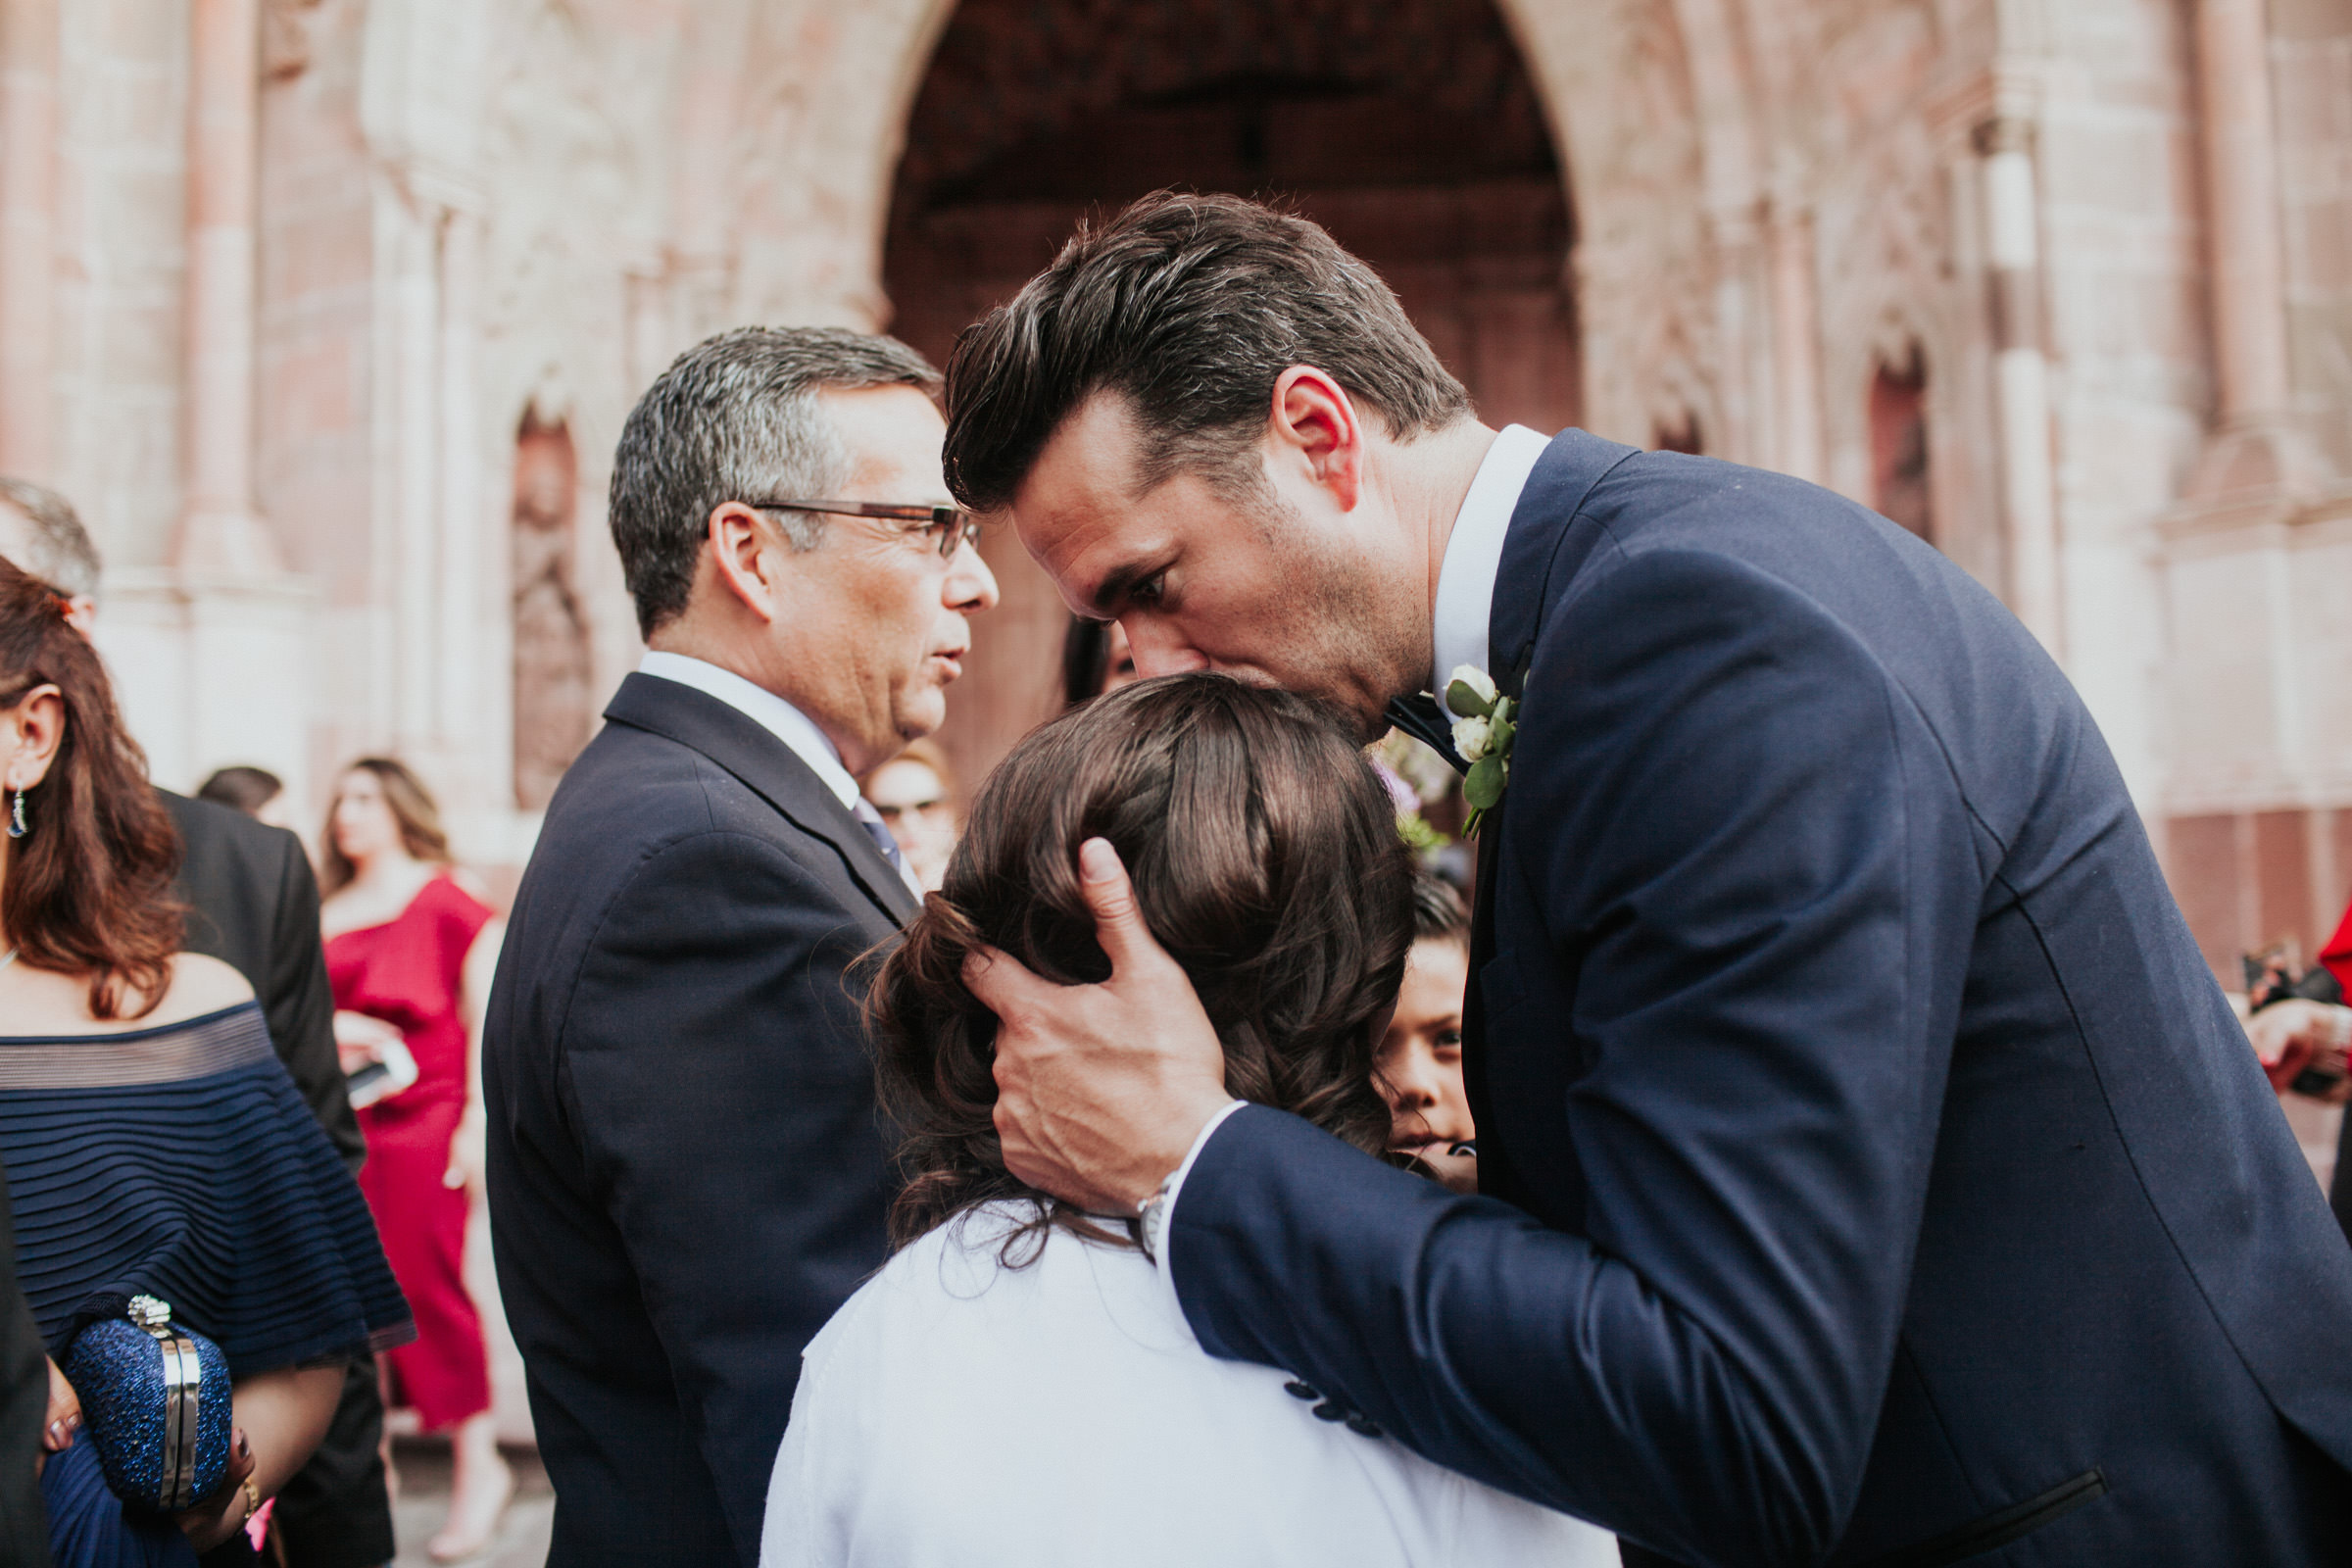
(409, 951)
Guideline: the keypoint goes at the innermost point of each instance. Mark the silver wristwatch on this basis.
(1152, 1220)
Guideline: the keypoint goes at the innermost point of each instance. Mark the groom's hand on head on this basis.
(1101, 1088)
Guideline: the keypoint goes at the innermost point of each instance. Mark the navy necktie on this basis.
(872, 821)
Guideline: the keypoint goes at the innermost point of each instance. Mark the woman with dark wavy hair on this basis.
(1016, 1385)
(154, 1145)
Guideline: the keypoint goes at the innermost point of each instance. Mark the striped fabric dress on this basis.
(180, 1162)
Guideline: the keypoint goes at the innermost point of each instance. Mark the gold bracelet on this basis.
(253, 1499)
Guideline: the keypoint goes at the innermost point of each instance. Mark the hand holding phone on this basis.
(2302, 1045)
(376, 1060)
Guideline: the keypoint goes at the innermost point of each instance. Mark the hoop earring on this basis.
(16, 825)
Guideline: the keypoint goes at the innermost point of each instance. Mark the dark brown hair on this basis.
(1439, 913)
(1191, 308)
(89, 887)
(412, 809)
(242, 789)
(1085, 660)
(1265, 859)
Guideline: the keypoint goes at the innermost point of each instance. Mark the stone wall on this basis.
(1723, 224)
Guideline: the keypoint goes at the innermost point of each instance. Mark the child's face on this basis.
(1420, 1062)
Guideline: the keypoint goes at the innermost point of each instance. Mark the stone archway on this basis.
(1411, 128)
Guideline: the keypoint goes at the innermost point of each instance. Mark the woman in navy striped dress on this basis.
(153, 1144)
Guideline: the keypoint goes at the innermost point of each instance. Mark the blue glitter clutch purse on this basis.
(156, 1401)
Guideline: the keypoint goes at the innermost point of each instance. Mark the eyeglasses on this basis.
(950, 528)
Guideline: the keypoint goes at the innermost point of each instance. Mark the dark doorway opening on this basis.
(1409, 129)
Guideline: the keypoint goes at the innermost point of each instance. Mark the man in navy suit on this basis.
(1872, 1172)
(687, 1170)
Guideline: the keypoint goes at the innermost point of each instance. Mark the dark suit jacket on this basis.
(1883, 1167)
(253, 904)
(687, 1171)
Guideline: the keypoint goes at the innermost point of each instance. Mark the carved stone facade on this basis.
(2066, 283)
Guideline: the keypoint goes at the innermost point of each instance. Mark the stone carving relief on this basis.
(1900, 487)
(554, 698)
(286, 37)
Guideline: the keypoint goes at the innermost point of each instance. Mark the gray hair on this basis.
(736, 418)
(63, 556)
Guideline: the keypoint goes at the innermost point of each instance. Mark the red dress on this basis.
(409, 972)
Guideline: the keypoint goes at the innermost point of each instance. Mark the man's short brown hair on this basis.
(1190, 307)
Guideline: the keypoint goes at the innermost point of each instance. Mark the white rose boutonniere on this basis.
(1483, 730)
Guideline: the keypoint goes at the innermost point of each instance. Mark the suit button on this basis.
(1363, 1425)
(1301, 1391)
(1328, 1412)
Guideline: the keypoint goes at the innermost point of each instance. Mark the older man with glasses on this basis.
(687, 1170)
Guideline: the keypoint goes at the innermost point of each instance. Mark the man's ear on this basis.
(742, 552)
(1315, 420)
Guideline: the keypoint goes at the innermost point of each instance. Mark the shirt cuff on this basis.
(1167, 1213)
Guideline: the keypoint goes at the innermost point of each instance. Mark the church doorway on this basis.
(1409, 129)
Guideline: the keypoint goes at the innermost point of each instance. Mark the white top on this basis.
(786, 723)
(1474, 552)
(957, 1413)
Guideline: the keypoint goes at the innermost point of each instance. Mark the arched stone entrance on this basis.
(1410, 129)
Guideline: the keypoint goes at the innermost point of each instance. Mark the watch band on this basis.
(1152, 1219)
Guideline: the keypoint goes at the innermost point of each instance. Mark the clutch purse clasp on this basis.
(183, 1396)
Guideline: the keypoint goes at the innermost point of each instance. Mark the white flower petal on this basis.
(1471, 736)
(1476, 679)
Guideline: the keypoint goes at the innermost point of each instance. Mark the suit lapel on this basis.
(769, 769)
(1539, 555)
(1540, 552)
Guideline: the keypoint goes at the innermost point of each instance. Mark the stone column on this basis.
(1745, 392)
(2255, 446)
(1796, 346)
(2021, 373)
(235, 623)
(220, 530)
(27, 234)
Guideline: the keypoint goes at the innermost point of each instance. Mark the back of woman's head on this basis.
(1265, 859)
(89, 884)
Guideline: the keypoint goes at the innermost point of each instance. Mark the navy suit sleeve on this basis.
(1754, 886)
(715, 1071)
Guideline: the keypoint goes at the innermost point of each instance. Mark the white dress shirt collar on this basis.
(1474, 552)
(762, 708)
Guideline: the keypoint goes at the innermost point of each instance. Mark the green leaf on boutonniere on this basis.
(1414, 829)
(1504, 708)
(1499, 731)
(1466, 702)
(1484, 786)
